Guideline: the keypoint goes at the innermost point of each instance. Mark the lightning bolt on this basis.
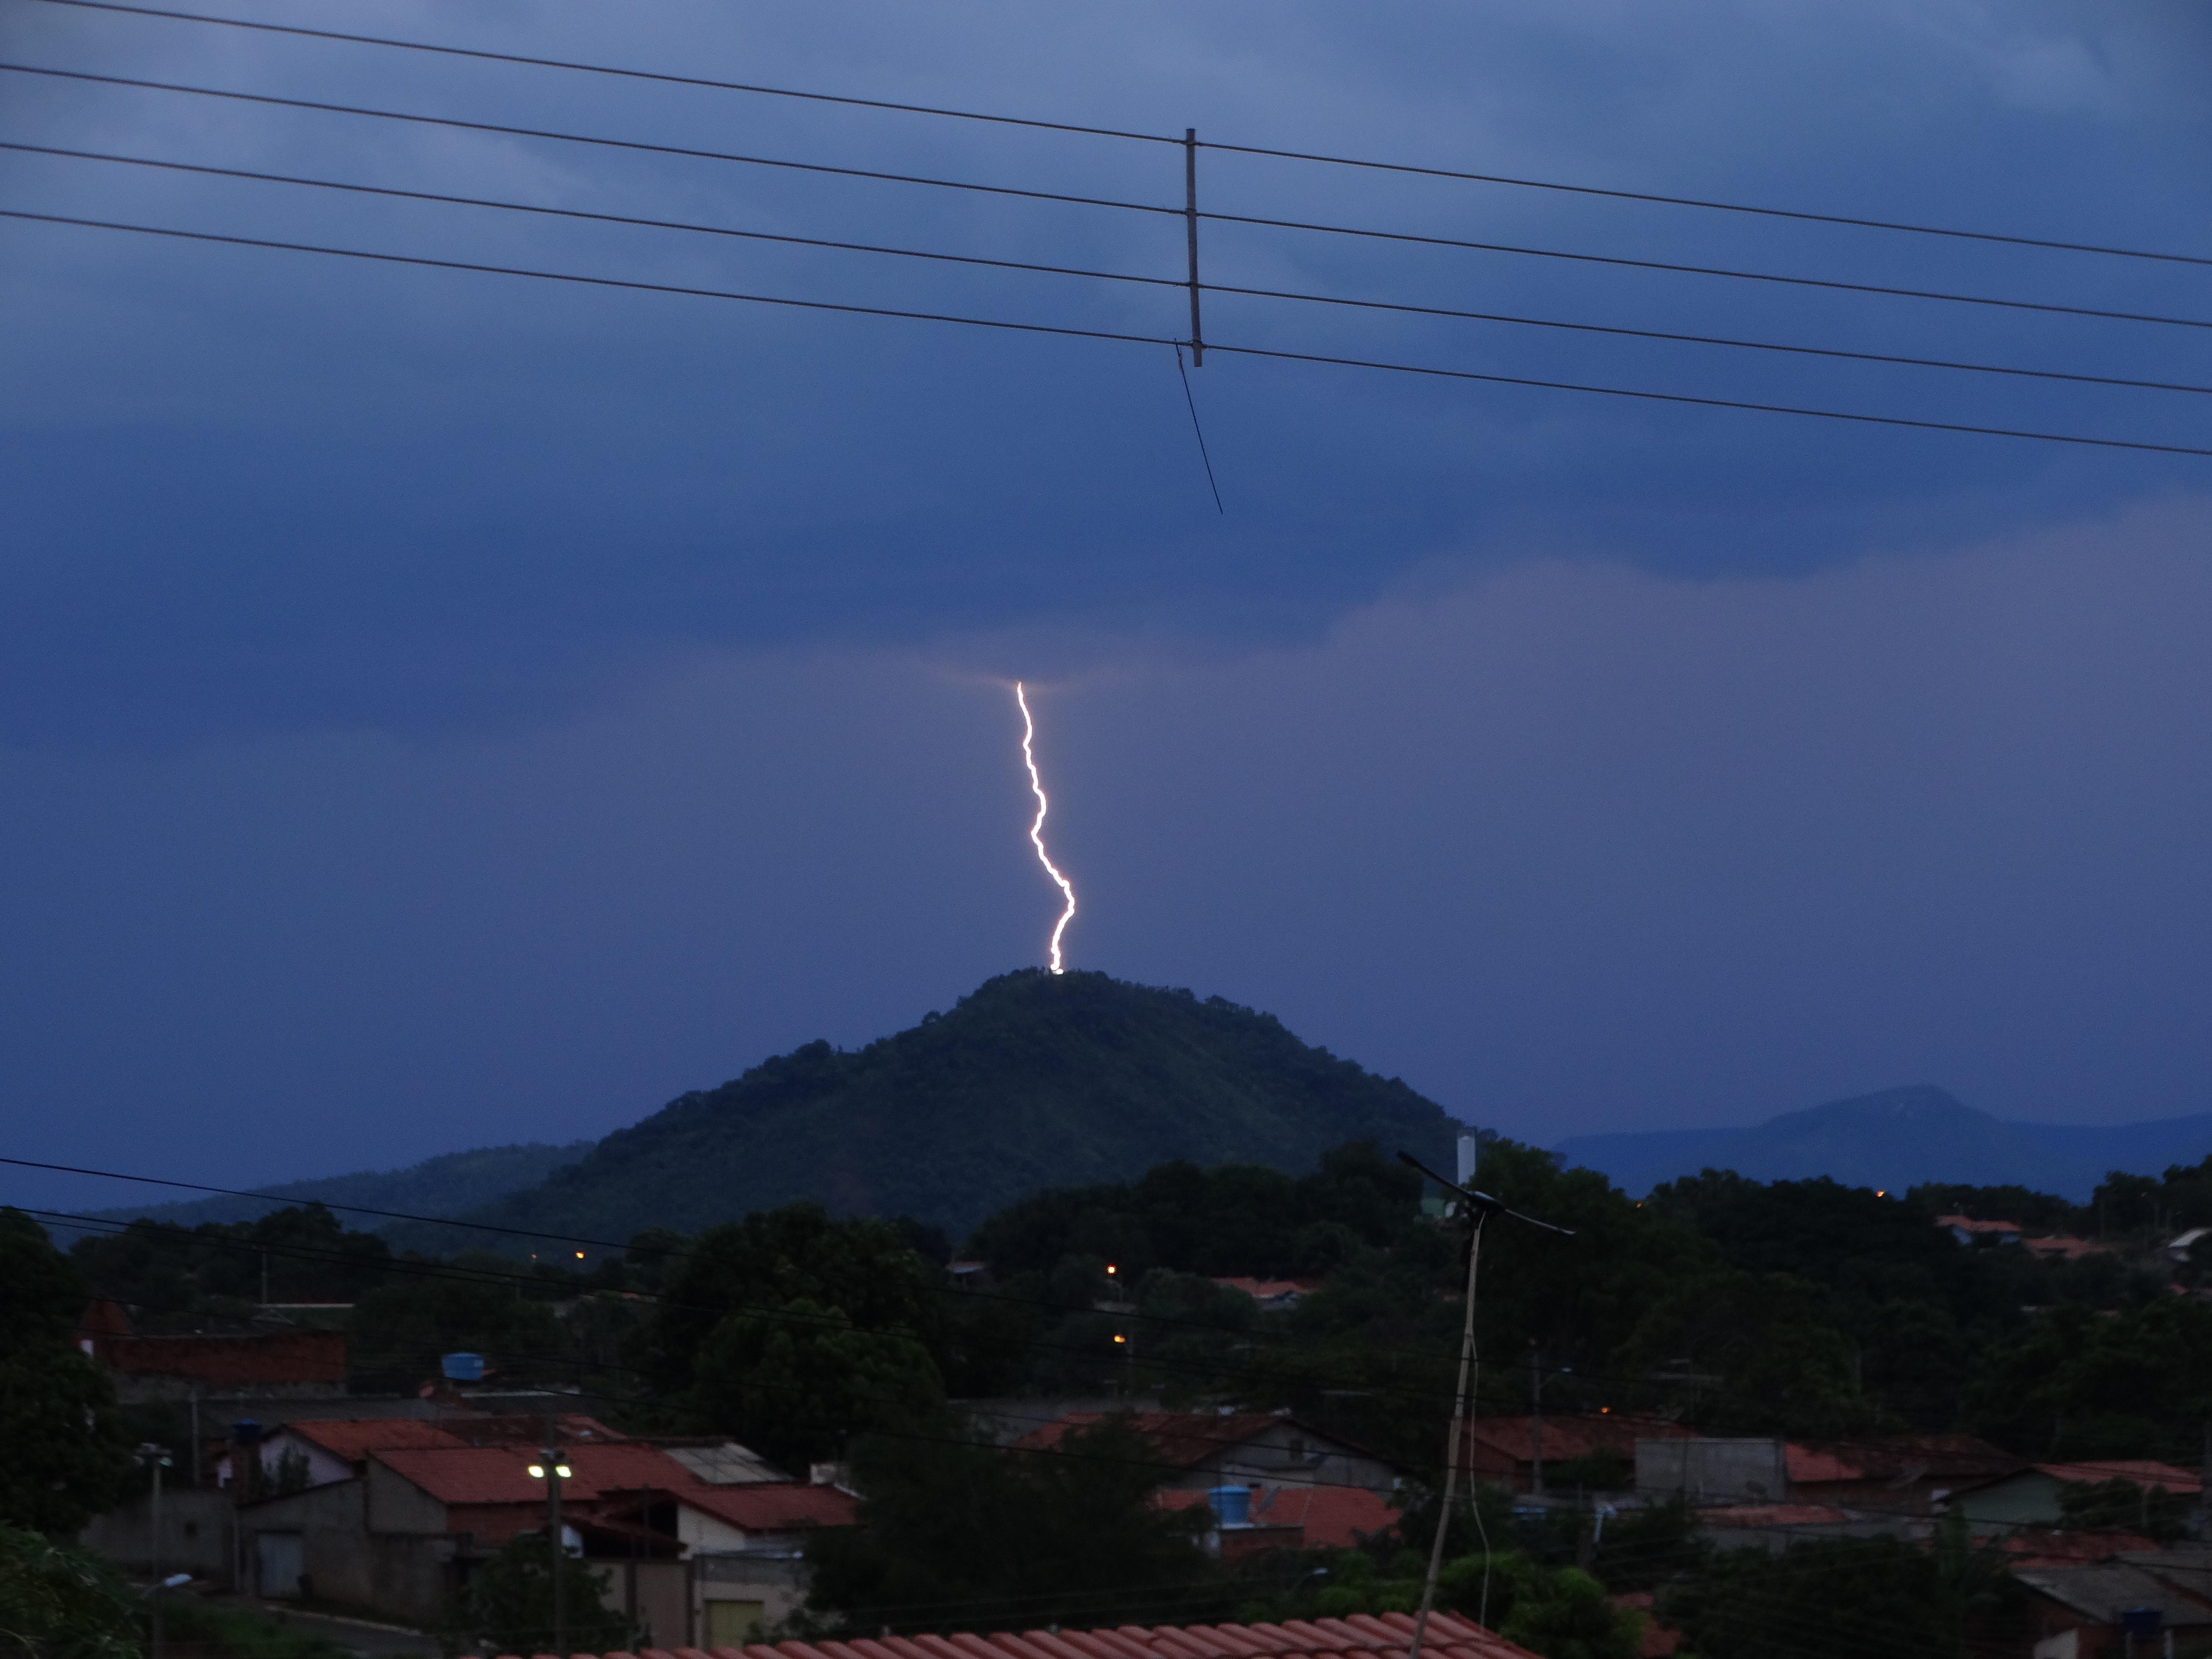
(1036, 830)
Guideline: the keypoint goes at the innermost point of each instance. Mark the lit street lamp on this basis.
(552, 1468)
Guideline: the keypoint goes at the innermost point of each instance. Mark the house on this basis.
(2087, 1611)
(1273, 1295)
(317, 1450)
(401, 1536)
(1775, 1527)
(2177, 1249)
(2030, 1497)
(1907, 1474)
(1967, 1230)
(1506, 1450)
(1287, 1518)
(1205, 1449)
(1356, 1635)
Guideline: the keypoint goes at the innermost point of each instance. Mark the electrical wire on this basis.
(693, 292)
(1108, 202)
(1731, 272)
(658, 76)
(590, 215)
(1365, 163)
(636, 144)
(1702, 202)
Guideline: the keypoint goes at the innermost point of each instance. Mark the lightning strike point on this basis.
(1036, 829)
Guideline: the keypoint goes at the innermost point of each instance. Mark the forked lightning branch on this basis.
(1036, 827)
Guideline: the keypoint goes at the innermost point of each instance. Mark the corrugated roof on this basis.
(727, 1464)
(354, 1439)
(2102, 1592)
(1382, 1636)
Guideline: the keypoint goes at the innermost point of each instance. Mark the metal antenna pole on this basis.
(1190, 232)
(1467, 1361)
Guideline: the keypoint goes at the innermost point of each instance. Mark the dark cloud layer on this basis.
(269, 490)
(440, 708)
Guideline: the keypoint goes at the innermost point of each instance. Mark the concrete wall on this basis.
(396, 1504)
(1284, 1455)
(775, 1579)
(2029, 1499)
(408, 1578)
(196, 1534)
(1740, 1471)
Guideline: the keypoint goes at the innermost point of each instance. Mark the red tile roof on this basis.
(1968, 1225)
(1368, 1636)
(2143, 1471)
(1901, 1458)
(1183, 1439)
(2072, 1248)
(275, 1356)
(2066, 1549)
(500, 1474)
(1328, 1517)
(764, 1506)
(1773, 1514)
(571, 1428)
(1565, 1437)
(1659, 1642)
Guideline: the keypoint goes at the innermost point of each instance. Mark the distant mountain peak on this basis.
(1032, 1079)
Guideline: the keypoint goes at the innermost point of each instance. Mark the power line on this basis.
(400, 193)
(1416, 239)
(660, 77)
(693, 292)
(684, 151)
(1369, 164)
(1704, 271)
(1701, 201)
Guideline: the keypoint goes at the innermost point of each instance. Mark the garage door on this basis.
(277, 1559)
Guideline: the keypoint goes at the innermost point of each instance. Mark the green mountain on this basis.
(450, 1185)
(1034, 1080)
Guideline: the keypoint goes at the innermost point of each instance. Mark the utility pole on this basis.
(1535, 1420)
(553, 1471)
(1190, 232)
(155, 1458)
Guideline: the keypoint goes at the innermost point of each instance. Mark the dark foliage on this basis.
(510, 1602)
(179, 1279)
(960, 1534)
(60, 1602)
(65, 1457)
(1033, 1079)
(1845, 1595)
(401, 1327)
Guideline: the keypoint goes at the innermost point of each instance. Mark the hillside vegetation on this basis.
(1033, 1080)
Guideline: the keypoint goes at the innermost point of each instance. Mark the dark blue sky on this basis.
(439, 710)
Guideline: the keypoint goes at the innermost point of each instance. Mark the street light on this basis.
(156, 1458)
(552, 1468)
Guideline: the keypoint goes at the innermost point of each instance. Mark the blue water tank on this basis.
(1231, 1505)
(462, 1367)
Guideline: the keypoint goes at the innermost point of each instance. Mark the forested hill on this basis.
(1034, 1080)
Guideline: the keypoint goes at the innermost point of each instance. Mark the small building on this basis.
(2087, 1612)
(1905, 1473)
(260, 1366)
(2177, 1249)
(1733, 1471)
(1214, 1448)
(1273, 1295)
(1507, 1450)
(1967, 1230)
(401, 1536)
(2030, 1497)
(1287, 1518)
